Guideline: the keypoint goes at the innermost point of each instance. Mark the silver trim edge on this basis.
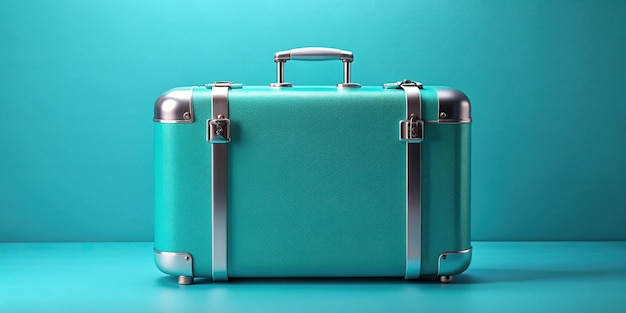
(454, 262)
(175, 106)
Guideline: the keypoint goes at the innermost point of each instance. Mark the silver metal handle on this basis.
(313, 54)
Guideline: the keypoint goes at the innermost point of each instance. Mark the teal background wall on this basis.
(78, 80)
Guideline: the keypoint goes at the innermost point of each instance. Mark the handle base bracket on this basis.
(349, 85)
(281, 85)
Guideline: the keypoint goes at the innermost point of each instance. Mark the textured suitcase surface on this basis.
(317, 182)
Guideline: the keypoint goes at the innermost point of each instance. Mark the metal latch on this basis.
(218, 127)
(412, 130)
(219, 130)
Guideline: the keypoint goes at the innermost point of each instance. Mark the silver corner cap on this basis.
(174, 106)
(454, 106)
(454, 262)
(174, 263)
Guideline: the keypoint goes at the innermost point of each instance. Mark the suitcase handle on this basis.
(313, 54)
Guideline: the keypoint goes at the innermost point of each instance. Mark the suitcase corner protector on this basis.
(174, 106)
(454, 106)
(454, 262)
(174, 263)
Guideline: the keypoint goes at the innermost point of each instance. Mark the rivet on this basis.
(187, 115)
(442, 115)
(186, 258)
(220, 116)
(444, 256)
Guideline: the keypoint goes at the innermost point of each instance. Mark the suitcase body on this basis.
(324, 181)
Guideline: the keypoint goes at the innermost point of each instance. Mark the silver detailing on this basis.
(454, 106)
(412, 133)
(413, 211)
(218, 127)
(218, 130)
(223, 84)
(446, 279)
(280, 75)
(174, 106)
(398, 84)
(174, 263)
(219, 211)
(185, 280)
(218, 134)
(314, 54)
(454, 262)
(412, 130)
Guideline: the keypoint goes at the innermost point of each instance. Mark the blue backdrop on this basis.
(78, 80)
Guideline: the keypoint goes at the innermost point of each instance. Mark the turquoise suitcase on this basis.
(312, 181)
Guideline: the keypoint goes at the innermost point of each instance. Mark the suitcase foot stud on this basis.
(445, 279)
(185, 280)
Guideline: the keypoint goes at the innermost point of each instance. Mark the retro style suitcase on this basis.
(312, 181)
